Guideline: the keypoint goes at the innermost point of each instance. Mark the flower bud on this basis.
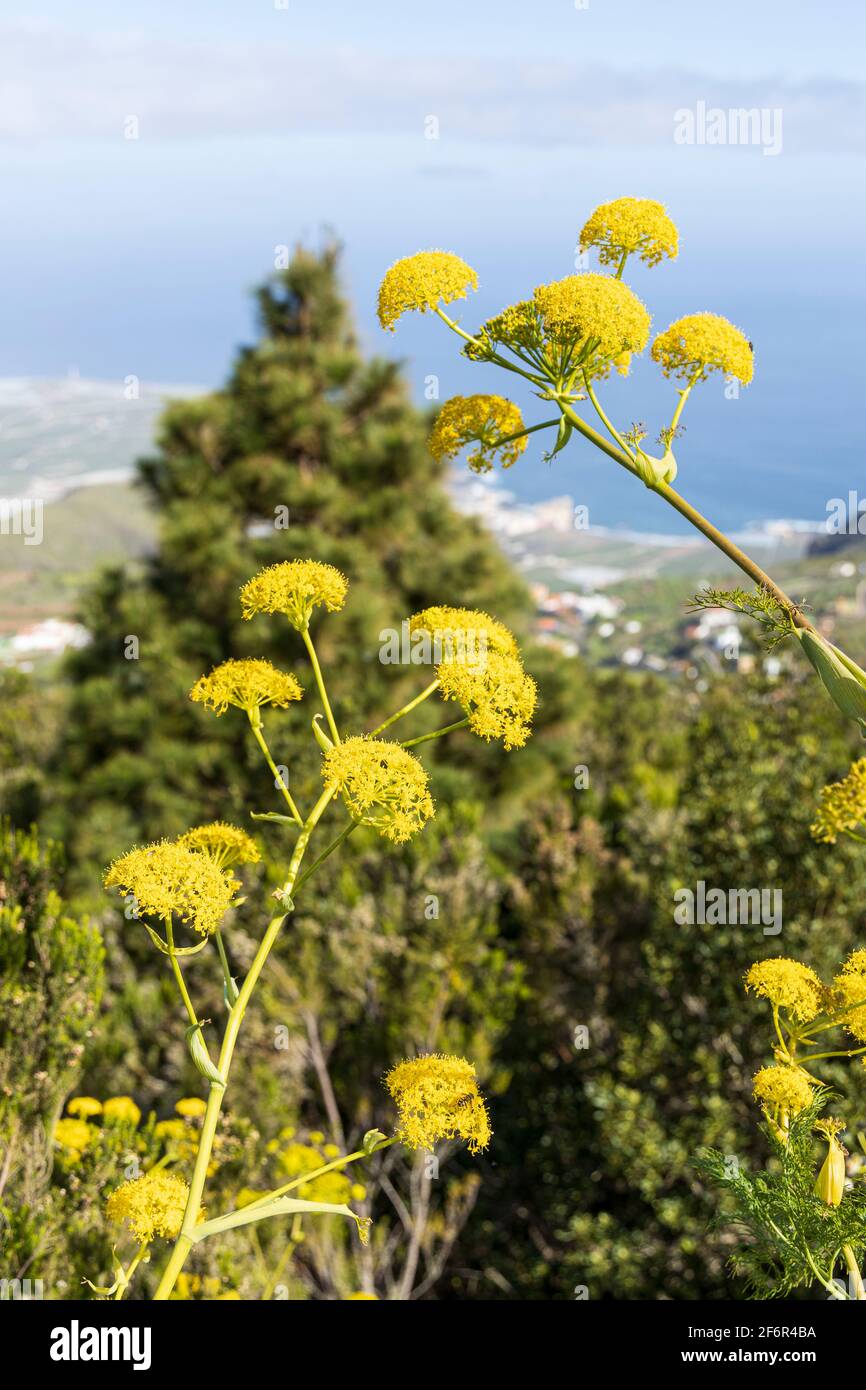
(843, 680)
(830, 1183)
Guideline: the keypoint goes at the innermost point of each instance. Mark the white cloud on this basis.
(66, 84)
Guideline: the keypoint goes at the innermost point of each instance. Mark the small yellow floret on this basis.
(191, 1107)
(497, 695)
(85, 1107)
(223, 843)
(247, 684)
(783, 1086)
(294, 587)
(121, 1109)
(462, 634)
(437, 1097)
(73, 1136)
(482, 420)
(699, 344)
(382, 784)
(843, 805)
(599, 318)
(168, 878)
(790, 984)
(152, 1205)
(423, 281)
(850, 989)
(633, 226)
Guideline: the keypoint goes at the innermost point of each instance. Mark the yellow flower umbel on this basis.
(788, 984)
(121, 1110)
(850, 995)
(483, 420)
(191, 1108)
(843, 805)
(382, 784)
(830, 1183)
(224, 844)
(782, 1087)
(699, 344)
(168, 878)
(152, 1205)
(437, 1097)
(423, 282)
(73, 1136)
(85, 1107)
(599, 319)
(630, 227)
(498, 697)
(247, 684)
(463, 634)
(518, 327)
(294, 587)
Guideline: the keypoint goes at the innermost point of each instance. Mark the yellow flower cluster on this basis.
(789, 984)
(518, 326)
(297, 1158)
(699, 344)
(483, 420)
(121, 1110)
(247, 684)
(499, 697)
(166, 878)
(294, 587)
(630, 226)
(479, 667)
(225, 844)
(850, 991)
(597, 317)
(86, 1107)
(73, 1136)
(191, 1107)
(437, 1097)
(463, 633)
(784, 1087)
(423, 281)
(152, 1205)
(843, 805)
(382, 784)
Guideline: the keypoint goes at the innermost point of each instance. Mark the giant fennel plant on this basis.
(565, 339)
(189, 885)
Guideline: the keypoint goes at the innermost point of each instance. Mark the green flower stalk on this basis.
(188, 883)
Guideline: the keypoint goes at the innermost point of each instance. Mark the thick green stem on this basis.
(217, 1091)
(692, 515)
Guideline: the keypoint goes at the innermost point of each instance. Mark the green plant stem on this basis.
(437, 733)
(178, 973)
(318, 1173)
(335, 844)
(224, 960)
(692, 515)
(406, 709)
(217, 1090)
(126, 1280)
(317, 672)
(258, 734)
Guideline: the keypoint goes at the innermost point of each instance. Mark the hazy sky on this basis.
(258, 125)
